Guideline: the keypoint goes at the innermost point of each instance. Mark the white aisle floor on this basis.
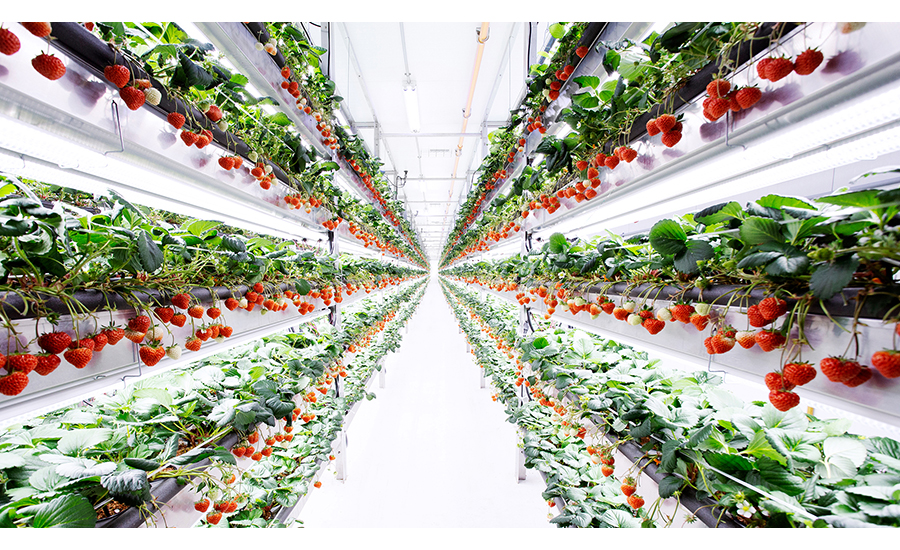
(432, 450)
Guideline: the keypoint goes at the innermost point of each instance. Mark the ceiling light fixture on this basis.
(410, 96)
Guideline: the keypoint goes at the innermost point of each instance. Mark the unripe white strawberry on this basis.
(664, 314)
(174, 352)
(152, 96)
(546, 92)
(282, 301)
(219, 339)
(268, 169)
(222, 124)
(155, 333)
(242, 303)
(595, 458)
(260, 46)
(701, 308)
(634, 319)
(629, 306)
(253, 156)
(303, 101)
(204, 105)
(579, 301)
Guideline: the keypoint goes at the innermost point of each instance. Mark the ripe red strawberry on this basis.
(54, 342)
(620, 313)
(671, 139)
(188, 138)
(317, 484)
(608, 307)
(213, 331)
(179, 319)
(193, 343)
(152, 353)
(176, 120)
(627, 154)
(251, 296)
(808, 61)
(762, 67)
(682, 312)
(628, 487)
(79, 357)
(202, 141)
(214, 517)
(141, 323)
(202, 334)
(119, 75)
(732, 101)
(635, 501)
(83, 343)
(768, 340)
(132, 97)
(257, 456)
(864, 375)
(718, 88)
(213, 312)
(46, 363)
(747, 97)
(755, 317)
(181, 301)
(226, 163)
(164, 314)
(652, 128)
(238, 161)
(709, 345)
(14, 383)
(722, 343)
(746, 339)
(653, 326)
(887, 362)
(258, 288)
(699, 321)
(581, 165)
(38, 29)
(611, 162)
(581, 51)
(231, 304)
(665, 122)
(783, 400)
(113, 335)
(779, 68)
(226, 331)
(50, 66)
(24, 362)
(202, 505)
(9, 42)
(267, 451)
(196, 312)
(214, 113)
(772, 308)
(607, 471)
(135, 336)
(592, 173)
(718, 107)
(774, 381)
(799, 373)
(838, 369)
(100, 341)
(269, 304)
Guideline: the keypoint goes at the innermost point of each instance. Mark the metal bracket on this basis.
(118, 127)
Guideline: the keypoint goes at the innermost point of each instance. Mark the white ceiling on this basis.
(441, 59)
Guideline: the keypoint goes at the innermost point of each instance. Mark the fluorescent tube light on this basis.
(410, 96)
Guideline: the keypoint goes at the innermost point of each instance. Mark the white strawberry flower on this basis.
(152, 96)
(701, 308)
(634, 319)
(174, 352)
(744, 508)
(664, 314)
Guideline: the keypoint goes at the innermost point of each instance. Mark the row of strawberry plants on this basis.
(76, 459)
(768, 468)
(159, 65)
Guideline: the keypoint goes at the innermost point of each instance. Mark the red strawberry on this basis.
(193, 343)
(238, 161)
(119, 75)
(214, 113)
(14, 383)
(665, 122)
(181, 301)
(581, 165)
(50, 66)
(708, 342)
(54, 342)
(267, 451)
(808, 61)
(581, 51)
(887, 362)
(269, 304)
(784, 400)
(864, 375)
(755, 317)
(251, 296)
(257, 456)
(114, 335)
(202, 141)
(799, 373)
(258, 288)
(135, 336)
(141, 323)
(38, 29)
(653, 326)
(231, 304)
(226, 331)
(671, 139)
(628, 487)
(838, 369)
(24, 362)
(226, 163)
(202, 334)
(176, 120)
(747, 97)
(100, 341)
(699, 321)
(9, 43)
(635, 501)
(188, 138)
(84, 343)
(718, 88)
(627, 154)
(196, 312)
(779, 68)
(213, 331)
(152, 353)
(607, 471)
(762, 67)
(202, 505)
(592, 173)
(652, 128)
(746, 339)
(238, 451)
(718, 107)
(772, 308)
(79, 357)
(214, 517)
(179, 319)
(164, 314)
(769, 340)
(722, 343)
(46, 363)
(608, 307)
(774, 381)
(132, 97)
(213, 312)
(682, 312)
(620, 313)
(611, 162)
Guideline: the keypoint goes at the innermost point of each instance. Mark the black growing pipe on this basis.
(163, 492)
